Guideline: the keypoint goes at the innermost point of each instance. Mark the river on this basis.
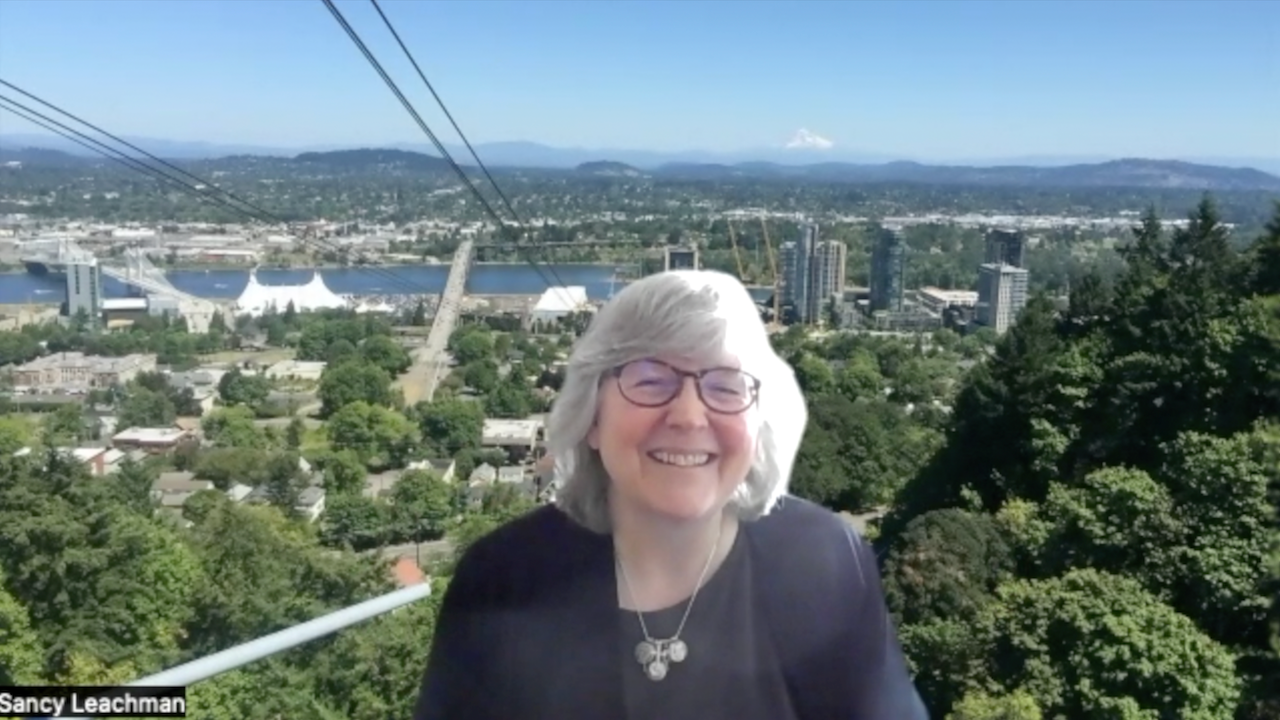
(484, 279)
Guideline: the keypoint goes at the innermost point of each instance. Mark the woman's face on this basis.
(667, 451)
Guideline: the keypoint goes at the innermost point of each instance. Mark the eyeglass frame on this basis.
(753, 390)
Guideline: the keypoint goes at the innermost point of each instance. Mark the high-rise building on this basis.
(813, 271)
(797, 256)
(680, 258)
(1006, 247)
(829, 260)
(1002, 293)
(888, 268)
(84, 290)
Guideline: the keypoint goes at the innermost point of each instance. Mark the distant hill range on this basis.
(374, 160)
(1172, 174)
(608, 168)
(1134, 173)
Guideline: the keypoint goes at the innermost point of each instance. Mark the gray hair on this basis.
(686, 313)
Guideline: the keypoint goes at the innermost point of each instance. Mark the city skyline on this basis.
(944, 82)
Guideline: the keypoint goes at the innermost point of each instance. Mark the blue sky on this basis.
(936, 80)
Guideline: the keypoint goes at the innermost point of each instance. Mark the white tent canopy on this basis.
(257, 299)
(559, 301)
(381, 307)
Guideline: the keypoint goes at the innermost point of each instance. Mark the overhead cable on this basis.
(440, 148)
(249, 210)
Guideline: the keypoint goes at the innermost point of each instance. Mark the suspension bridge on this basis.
(133, 268)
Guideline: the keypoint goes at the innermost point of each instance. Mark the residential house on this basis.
(310, 503)
(151, 440)
(484, 473)
(101, 460)
(171, 491)
(518, 437)
(443, 468)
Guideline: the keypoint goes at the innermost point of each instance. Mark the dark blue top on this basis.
(733, 668)
(792, 625)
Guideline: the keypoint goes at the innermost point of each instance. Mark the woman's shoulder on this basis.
(528, 549)
(796, 520)
(800, 541)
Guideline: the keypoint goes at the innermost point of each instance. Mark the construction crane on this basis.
(777, 282)
(737, 256)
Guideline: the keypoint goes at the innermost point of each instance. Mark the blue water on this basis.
(395, 280)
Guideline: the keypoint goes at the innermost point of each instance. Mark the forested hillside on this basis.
(1097, 536)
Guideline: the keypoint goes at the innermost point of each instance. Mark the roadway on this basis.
(430, 360)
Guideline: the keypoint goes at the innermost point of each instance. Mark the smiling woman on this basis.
(673, 577)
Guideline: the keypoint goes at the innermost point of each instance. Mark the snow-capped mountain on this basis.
(805, 140)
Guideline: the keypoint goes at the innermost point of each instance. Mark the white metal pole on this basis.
(211, 665)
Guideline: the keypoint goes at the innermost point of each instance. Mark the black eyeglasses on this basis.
(653, 383)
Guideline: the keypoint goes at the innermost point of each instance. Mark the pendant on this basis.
(646, 652)
(677, 651)
(656, 656)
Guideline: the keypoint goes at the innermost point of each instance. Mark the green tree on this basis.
(510, 399)
(145, 408)
(422, 505)
(451, 425)
(284, 480)
(378, 436)
(353, 381)
(21, 654)
(1266, 258)
(344, 473)
(1074, 642)
(386, 353)
(980, 706)
(295, 433)
(236, 388)
(339, 351)
(947, 564)
(470, 344)
(481, 375)
(355, 521)
(66, 425)
(233, 427)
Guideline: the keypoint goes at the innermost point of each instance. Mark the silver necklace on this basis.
(654, 655)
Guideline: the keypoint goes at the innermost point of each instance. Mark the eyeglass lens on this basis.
(651, 383)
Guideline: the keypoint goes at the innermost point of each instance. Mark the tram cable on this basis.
(447, 114)
(252, 212)
(440, 148)
(38, 118)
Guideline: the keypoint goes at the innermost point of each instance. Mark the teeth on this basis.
(681, 459)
